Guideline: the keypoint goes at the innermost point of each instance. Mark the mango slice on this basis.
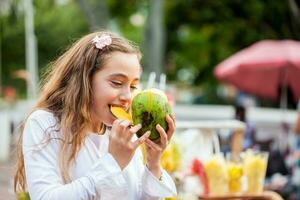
(120, 113)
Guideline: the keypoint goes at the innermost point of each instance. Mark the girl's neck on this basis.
(98, 128)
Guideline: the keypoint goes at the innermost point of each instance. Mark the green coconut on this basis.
(149, 108)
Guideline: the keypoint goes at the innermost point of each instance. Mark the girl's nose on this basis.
(126, 95)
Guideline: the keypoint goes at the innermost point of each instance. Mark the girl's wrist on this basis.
(155, 166)
(155, 170)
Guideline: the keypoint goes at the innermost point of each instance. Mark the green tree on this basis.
(203, 33)
(55, 29)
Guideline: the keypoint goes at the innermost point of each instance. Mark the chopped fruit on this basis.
(215, 169)
(235, 173)
(255, 166)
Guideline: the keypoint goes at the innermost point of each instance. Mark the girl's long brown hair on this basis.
(67, 92)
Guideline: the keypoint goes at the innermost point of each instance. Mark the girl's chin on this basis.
(107, 124)
(109, 121)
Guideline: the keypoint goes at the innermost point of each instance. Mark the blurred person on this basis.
(289, 185)
(250, 130)
(72, 146)
(276, 162)
(10, 99)
(293, 158)
(10, 95)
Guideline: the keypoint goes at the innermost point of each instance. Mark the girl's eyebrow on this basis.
(122, 76)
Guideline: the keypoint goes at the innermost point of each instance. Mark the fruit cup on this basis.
(255, 166)
(215, 169)
(235, 173)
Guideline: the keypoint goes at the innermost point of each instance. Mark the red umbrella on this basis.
(264, 67)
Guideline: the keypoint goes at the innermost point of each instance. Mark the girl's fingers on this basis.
(171, 126)
(173, 117)
(133, 130)
(120, 127)
(125, 124)
(141, 140)
(163, 136)
(115, 126)
(152, 145)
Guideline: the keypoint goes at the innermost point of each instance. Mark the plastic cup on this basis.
(255, 166)
(215, 169)
(235, 173)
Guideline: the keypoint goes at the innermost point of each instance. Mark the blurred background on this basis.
(185, 40)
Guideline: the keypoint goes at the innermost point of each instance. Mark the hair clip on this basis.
(102, 41)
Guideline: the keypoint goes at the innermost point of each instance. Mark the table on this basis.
(236, 197)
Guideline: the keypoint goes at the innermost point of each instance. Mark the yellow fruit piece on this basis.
(171, 158)
(235, 171)
(23, 196)
(235, 186)
(255, 166)
(143, 153)
(120, 113)
(215, 169)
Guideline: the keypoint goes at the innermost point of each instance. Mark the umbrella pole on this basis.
(284, 94)
(282, 144)
(283, 102)
(283, 97)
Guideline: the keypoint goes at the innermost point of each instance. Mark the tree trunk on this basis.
(96, 13)
(154, 43)
(295, 16)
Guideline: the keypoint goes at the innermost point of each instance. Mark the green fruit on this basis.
(23, 196)
(150, 108)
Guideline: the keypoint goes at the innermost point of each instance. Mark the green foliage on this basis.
(12, 41)
(55, 27)
(203, 33)
(199, 34)
(121, 13)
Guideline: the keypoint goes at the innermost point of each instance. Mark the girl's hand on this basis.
(154, 150)
(121, 147)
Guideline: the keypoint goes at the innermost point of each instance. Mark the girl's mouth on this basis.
(120, 112)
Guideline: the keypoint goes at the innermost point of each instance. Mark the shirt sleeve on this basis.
(153, 188)
(43, 176)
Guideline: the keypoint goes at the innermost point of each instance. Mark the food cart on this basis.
(207, 130)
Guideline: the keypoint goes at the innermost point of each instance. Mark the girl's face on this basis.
(113, 85)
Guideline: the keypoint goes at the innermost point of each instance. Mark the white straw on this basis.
(162, 82)
(151, 80)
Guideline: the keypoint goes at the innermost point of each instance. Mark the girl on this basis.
(72, 147)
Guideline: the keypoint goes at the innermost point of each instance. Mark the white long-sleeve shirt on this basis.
(95, 173)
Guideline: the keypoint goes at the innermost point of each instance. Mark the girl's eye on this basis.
(120, 84)
(116, 83)
(134, 87)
